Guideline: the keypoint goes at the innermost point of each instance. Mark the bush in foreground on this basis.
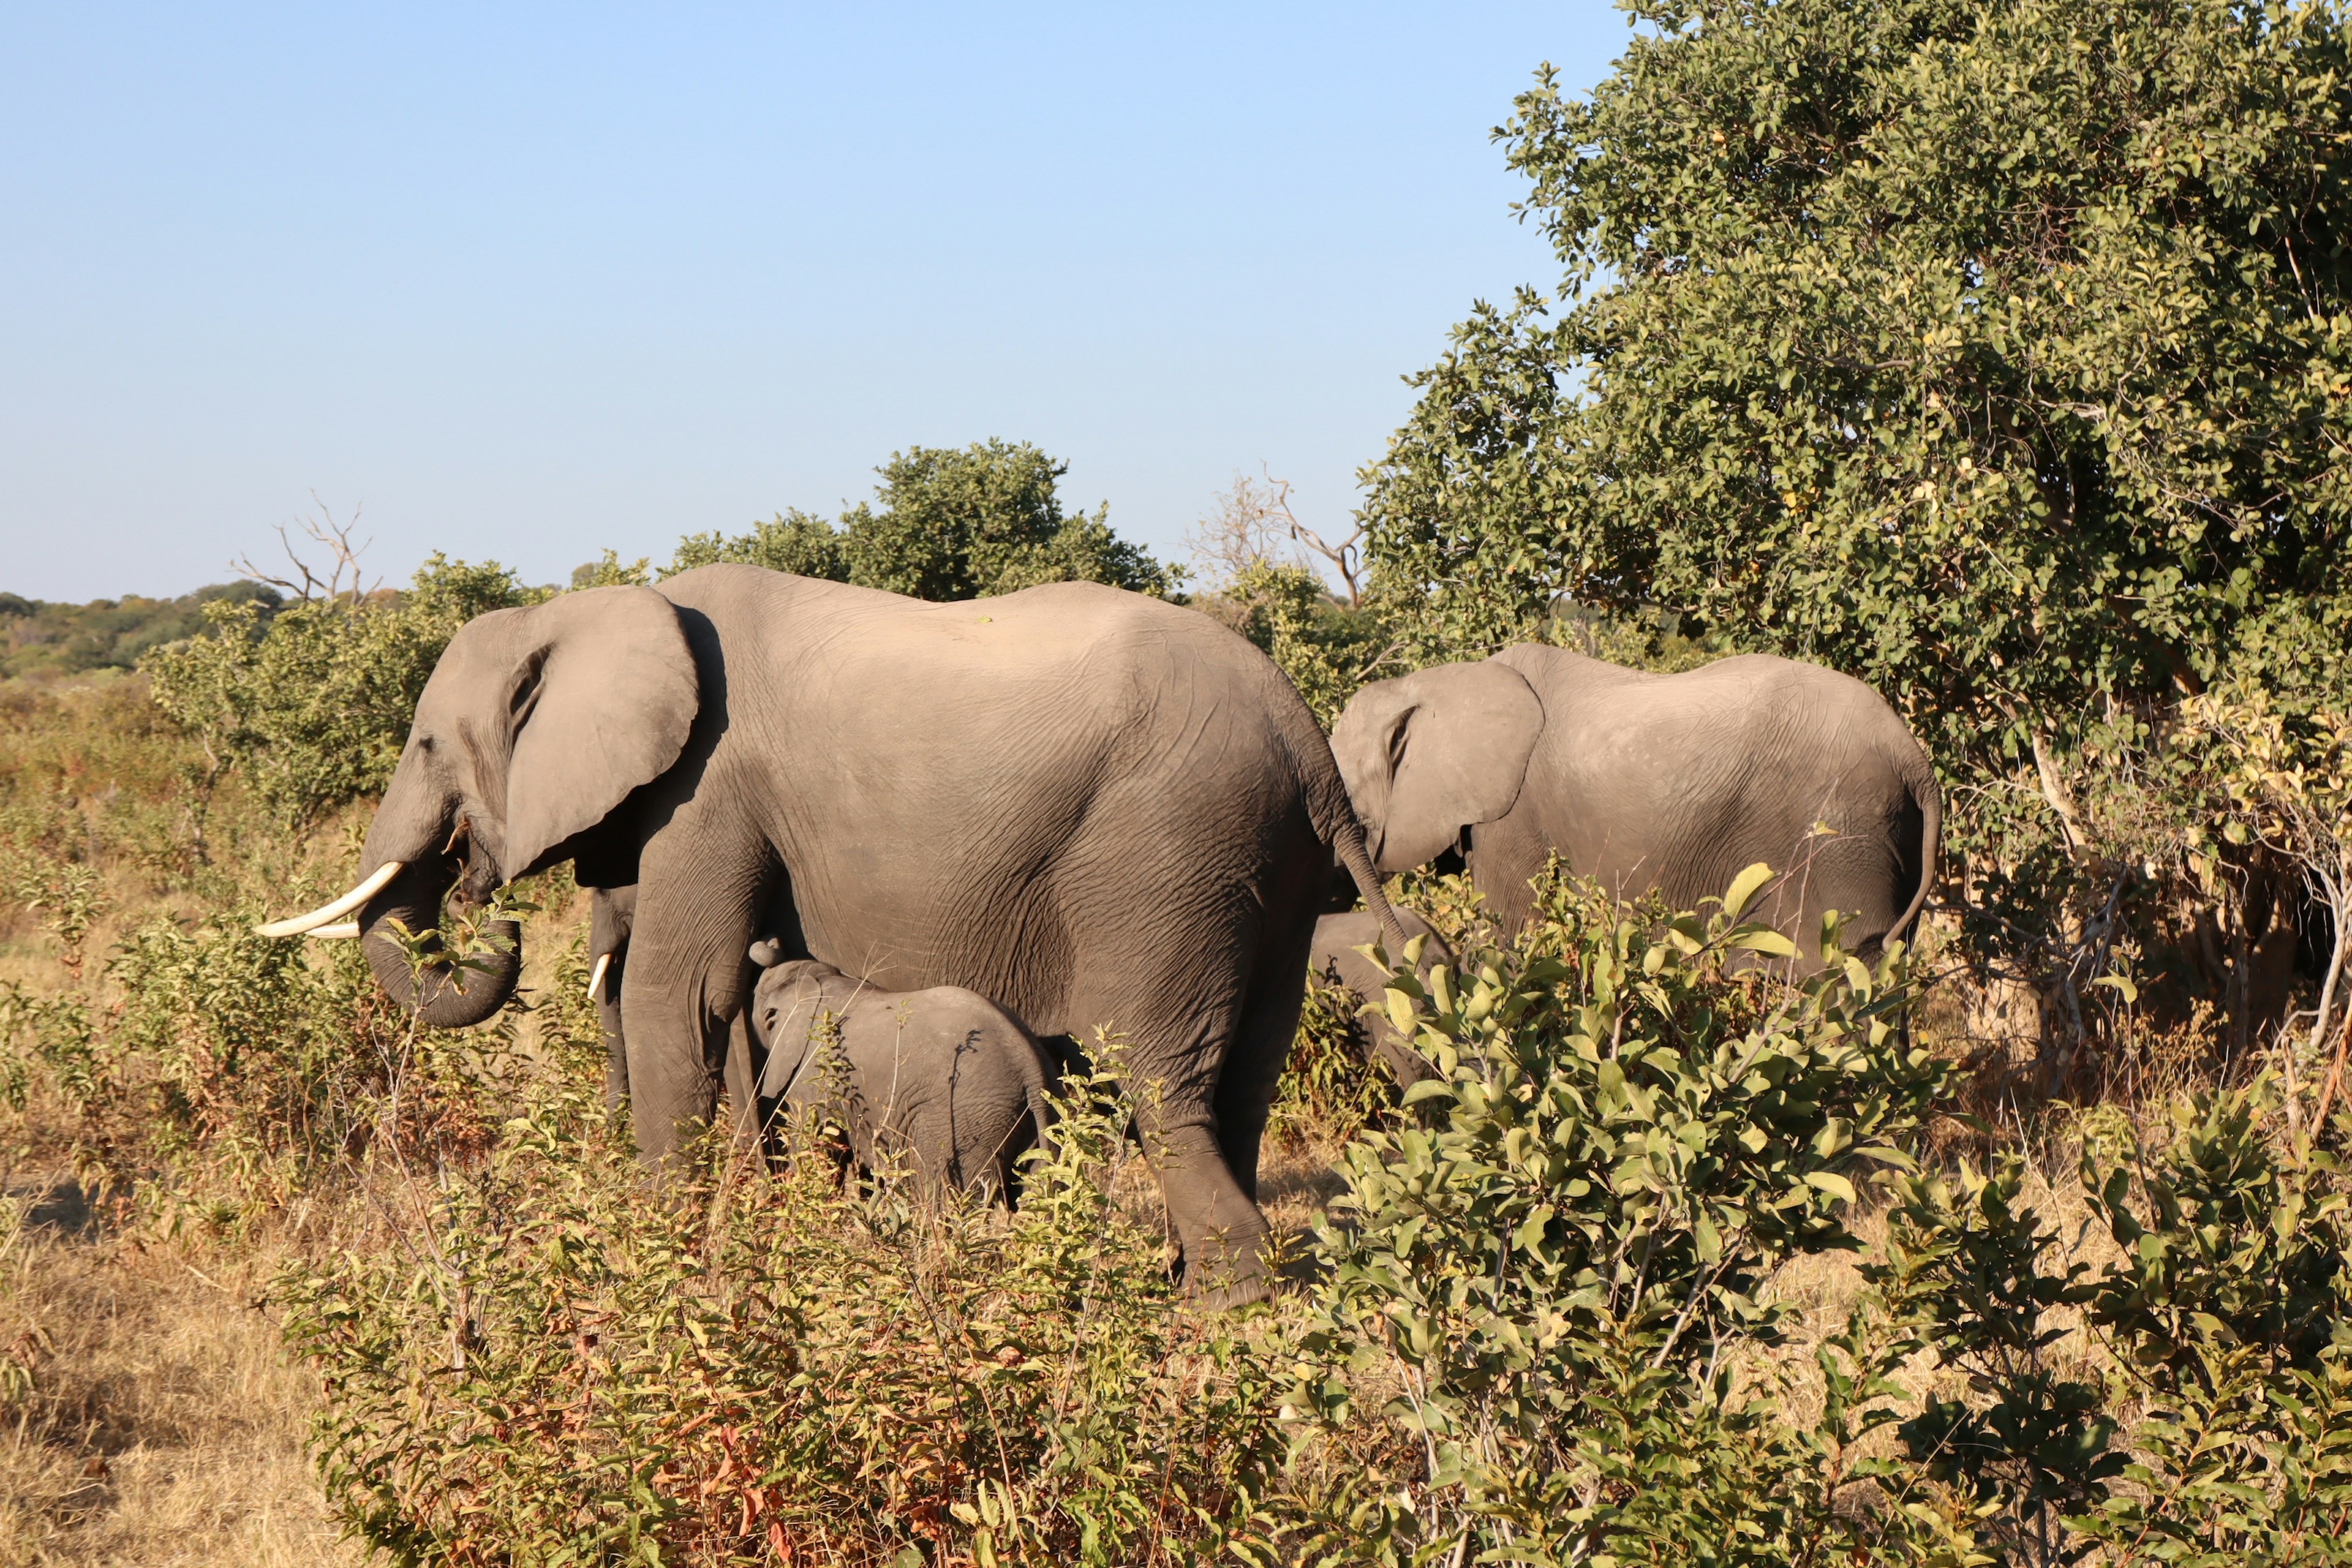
(1541, 1325)
(562, 1365)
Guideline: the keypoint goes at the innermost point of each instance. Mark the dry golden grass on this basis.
(165, 1425)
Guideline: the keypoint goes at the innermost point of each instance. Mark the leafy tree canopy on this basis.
(1998, 354)
(948, 523)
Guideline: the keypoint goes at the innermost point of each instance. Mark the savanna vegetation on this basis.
(1995, 355)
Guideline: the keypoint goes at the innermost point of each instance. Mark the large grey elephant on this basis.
(1674, 782)
(1094, 807)
(942, 1080)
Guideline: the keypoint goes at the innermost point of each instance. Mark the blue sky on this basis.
(530, 283)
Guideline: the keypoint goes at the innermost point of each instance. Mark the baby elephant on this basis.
(943, 1079)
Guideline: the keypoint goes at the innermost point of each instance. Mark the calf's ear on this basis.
(1430, 754)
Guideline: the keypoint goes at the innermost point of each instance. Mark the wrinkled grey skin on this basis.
(1336, 962)
(1676, 783)
(1095, 807)
(942, 1080)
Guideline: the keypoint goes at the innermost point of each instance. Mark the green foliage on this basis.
(1330, 1082)
(2227, 1320)
(567, 1366)
(1988, 353)
(2042, 1444)
(795, 541)
(2231, 1317)
(948, 524)
(50, 639)
(315, 704)
(1638, 1124)
(1326, 649)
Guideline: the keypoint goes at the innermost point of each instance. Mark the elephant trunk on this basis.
(443, 992)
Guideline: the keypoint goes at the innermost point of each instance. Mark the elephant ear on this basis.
(1429, 754)
(605, 698)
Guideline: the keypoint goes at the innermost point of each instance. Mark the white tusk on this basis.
(297, 924)
(345, 932)
(596, 975)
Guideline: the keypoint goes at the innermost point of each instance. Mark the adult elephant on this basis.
(1672, 782)
(1092, 807)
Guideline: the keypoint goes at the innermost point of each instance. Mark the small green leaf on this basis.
(1763, 939)
(1830, 1181)
(1743, 888)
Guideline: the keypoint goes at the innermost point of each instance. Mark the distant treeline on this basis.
(39, 638)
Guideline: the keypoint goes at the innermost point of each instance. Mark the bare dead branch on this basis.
(344, 579)
(1252, 521)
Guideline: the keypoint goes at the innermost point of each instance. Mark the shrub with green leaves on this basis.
(551, 1360)
(1993, 353)
(2207, 1418)
(1640, 1120)
(948, 523)
(314, 704)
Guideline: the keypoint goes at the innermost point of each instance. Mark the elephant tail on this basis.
(1337, 825)
(1919, 778)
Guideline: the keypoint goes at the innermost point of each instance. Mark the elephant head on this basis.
(1429, 754)
(536, 725)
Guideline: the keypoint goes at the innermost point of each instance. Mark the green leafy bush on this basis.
(314, 704)
(948, 523)
(1990, 353)
(1325, 648)
(1551, 1289)
(560, 1363)
(40, 640)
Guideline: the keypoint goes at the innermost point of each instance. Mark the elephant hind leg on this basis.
(1261, 1049)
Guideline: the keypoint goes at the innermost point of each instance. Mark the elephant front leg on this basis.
(1222, 1235)
(679, 1014)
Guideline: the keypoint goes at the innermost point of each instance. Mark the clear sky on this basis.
(532, 281)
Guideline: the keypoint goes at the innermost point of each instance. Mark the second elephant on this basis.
(942, 1078)
(1670, 783)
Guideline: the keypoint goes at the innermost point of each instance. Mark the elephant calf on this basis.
(943, 1079)
(1336, 962)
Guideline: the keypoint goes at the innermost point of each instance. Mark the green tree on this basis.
(1997, 355)
(39, 639)
(951, 524)
(946, 523)
(797, 541)
(316, 702)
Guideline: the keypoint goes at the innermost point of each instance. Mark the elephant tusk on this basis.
(596, 975)
(344, 931)
(295, 925)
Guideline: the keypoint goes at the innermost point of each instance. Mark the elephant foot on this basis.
(1248, 1290)
(1232, 1271)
